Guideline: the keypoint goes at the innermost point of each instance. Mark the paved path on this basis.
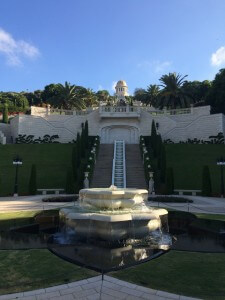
(210, 205)
(29, 203)
(93, 289)
(200, 204)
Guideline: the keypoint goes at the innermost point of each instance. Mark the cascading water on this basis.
(111, 228)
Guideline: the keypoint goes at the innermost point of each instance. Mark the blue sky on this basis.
(94, 43)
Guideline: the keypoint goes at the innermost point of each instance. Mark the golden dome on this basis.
(121, 83)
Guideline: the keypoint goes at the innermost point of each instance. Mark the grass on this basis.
(184, 273)
(22, 270)
(14, 219)
(188, 160)
(52, 161)
(211, 217)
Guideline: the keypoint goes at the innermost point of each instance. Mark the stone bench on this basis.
(193, 192)
(53, 191)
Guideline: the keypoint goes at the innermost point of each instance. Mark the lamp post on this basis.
(221, 163)
(17, 161)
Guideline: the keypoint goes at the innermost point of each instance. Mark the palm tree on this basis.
(67, 97)
(152, 94)
(172, 95)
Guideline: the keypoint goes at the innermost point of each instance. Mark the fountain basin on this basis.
(112, 197)
(113, 227)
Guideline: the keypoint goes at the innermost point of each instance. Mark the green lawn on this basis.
(52, 161)
(186, 273)
(22, 270)
(191, 274)
(187, 161)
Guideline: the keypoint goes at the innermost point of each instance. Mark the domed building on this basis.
(121, 91)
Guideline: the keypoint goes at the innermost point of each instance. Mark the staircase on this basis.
(135, 170)
(119, 165)
(102, 176)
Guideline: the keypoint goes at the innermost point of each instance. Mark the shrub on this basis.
(5, 114)
(169, 181)
(206, 182)
(69, 182)
(33, 181)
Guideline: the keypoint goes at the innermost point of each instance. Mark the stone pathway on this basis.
(93, 289)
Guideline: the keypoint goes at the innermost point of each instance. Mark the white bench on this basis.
(193, 192)
(53, 191)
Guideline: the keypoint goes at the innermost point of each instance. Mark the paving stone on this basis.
(112, 285)
(76, 283)
(114, 293)
(35, 292)
(107, 297)
(48, 295)
(167, 295)
(96, 278)
(93, 297)
(152, 297)
(131, 291)
(91, 285)
(146, 290)
(84, 293)
(65, 297)
(70, 290)
(56, 288)
(11, 296)
(26, 298)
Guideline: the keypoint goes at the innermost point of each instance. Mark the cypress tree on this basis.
(78, 148)
(5, 114)
(169, 181)
(86, 133)
(82, 142)
(206, 182)
(153, 137)
(158, 147)
(74, 162)
(163, 164)
(33, 181)
(69, 182)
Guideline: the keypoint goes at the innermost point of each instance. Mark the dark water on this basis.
(188, 234)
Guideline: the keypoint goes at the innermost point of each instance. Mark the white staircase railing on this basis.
(119, 165)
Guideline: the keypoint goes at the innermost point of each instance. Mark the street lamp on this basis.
(16, 161)
(221, 163)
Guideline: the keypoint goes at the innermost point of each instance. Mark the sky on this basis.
(95, 43)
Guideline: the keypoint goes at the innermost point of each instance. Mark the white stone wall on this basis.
(6, 131)
(176, 127)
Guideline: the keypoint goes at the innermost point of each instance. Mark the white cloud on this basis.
(113, 86)
(15, 50)
(218, 57)
(155, 66)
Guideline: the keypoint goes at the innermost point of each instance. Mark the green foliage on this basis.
(154, 138)
(33, 181)
(172, 96)
(5, 114)
(206, 182)
(69, 181)
(75, 162)
(169, 181)
(197, 90)
(29, 139)
(162, 164)
(216, 94)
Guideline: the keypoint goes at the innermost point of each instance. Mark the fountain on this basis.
(115, 223)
